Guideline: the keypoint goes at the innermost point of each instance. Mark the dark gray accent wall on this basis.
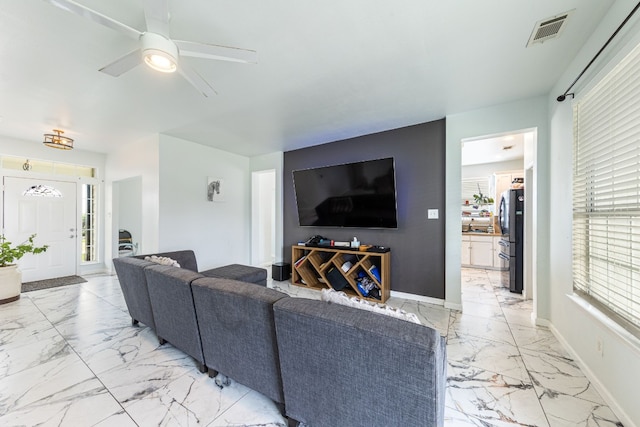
(417, 245)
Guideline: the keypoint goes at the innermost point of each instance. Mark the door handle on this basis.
(72, 229)
(72, 236)
(503, 256)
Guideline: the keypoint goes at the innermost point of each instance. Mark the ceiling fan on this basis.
(157, 49)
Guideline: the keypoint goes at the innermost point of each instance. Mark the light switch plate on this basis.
(432, 213)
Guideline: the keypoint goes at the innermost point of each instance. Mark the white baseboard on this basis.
(604, 392)
(98, 268)
(453, 306)
(538, 321)
(429, 300)
(421, 298)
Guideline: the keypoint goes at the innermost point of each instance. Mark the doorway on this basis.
(48, 209)
(127, 216)
(263, 217)
(497, 160)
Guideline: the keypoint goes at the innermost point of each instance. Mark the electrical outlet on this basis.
(599, 346)
(432, 214)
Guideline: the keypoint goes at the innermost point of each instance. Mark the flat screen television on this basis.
(360, 194)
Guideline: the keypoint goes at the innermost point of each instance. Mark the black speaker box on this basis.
(280, 271)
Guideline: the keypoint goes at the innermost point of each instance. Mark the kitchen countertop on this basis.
(480, 233)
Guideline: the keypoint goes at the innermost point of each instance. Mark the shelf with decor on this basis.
(322, 267)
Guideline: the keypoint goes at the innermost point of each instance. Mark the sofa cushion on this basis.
(329, 295)
(243, 273)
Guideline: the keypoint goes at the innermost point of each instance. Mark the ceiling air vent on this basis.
(548, 28)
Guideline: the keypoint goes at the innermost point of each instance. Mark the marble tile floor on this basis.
(70, 357)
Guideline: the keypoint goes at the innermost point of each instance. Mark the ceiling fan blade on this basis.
(92, 15)
(196, 80)
(212, 51)
(123, 64)
(156, 15)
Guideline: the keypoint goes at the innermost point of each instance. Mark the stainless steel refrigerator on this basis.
(511, 218)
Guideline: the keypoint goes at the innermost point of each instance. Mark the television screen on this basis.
(361, 194)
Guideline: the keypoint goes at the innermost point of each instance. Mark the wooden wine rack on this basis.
(311, 265)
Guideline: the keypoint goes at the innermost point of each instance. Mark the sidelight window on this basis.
(89, 223)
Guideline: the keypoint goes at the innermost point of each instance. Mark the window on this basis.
(42, 191)
(606, 199)
(471, 186)
(89, 223)
(47, 167)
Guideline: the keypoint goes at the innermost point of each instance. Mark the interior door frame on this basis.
(258, 226)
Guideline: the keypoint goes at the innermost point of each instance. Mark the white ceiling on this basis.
(326, 70)
(493, 150)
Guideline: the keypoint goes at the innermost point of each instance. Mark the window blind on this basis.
(470, 187)
(606, 194)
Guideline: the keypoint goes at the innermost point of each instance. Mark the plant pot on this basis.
(10, 283)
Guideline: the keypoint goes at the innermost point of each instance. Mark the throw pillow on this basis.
(330, 295)
(163, 260)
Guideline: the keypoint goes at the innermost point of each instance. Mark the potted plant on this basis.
(10, 275)
(481, 199)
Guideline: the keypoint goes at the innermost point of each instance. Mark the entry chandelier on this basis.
(57, 140)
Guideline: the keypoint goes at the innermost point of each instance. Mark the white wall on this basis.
(136, 159)
(521, 115)
(218, 232)
(266, 162)
(617, 372)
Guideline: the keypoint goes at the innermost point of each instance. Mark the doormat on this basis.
(51, 283)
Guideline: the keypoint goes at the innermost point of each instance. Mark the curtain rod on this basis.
(566, 92)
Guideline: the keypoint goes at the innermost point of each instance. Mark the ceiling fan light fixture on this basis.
(160, 61)
(159, 53)
(56, 140)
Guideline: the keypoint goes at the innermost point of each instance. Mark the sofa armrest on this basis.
(133, 283)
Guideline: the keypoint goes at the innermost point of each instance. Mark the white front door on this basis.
(47, 209)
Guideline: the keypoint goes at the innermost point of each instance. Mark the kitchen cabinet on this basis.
(466, 251)
(481, 251)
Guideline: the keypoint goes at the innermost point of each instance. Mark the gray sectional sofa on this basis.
(187, 260)
(238, 333)
(130, 271)
(173, 310)
(323, 364)
(342, 366)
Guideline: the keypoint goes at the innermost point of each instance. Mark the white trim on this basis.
(538, 321)
(453, 306)
(600, 388)
(93, 268)
(625, 336)
(430, 300)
